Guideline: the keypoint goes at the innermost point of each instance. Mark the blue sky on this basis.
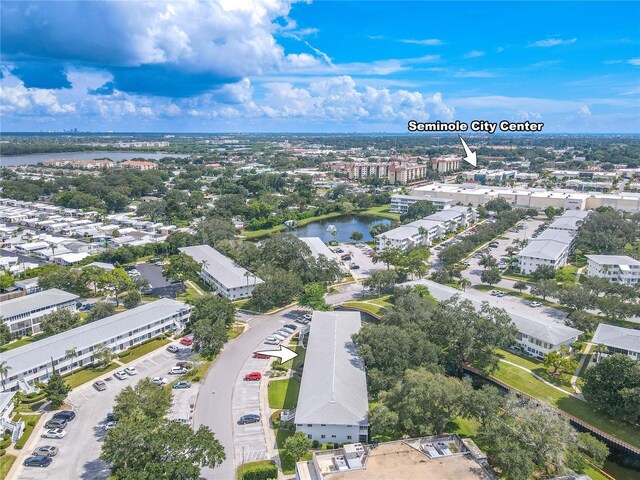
(277, 65)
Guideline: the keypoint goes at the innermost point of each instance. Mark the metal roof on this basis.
(223, 269)
(613, 260)
(29, 303)
(42, 351)
(318, 247)
(617, 337)
(547, 249)
(334, 385)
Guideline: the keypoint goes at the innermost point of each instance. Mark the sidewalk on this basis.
(574, 378)
(579, 397)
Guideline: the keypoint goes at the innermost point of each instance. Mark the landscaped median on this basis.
(283, 393)
(138, 351)
(6, 462)
(262, 470)
(80, 377)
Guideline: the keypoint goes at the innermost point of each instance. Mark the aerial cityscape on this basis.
(259, 240)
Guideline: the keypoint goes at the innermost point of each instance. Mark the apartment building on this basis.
(138, 165)
(35, 361)
(401, 203)
(446, 163)
(23, 315)
(397, 171)
(333, 402)
(617, 340)
(614, 268)
(221, 273)
(569, 221)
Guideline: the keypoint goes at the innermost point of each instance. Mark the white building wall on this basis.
(334, 433)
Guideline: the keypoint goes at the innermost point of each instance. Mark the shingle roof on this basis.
(617, 337)
(334, 385)
(28, 303)
(40, 352)
(223, 269)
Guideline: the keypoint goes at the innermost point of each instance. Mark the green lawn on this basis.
(21, 343)
(528, 384)
(299, 360)
(30, 423)
(6, 461)
(562, 380)
(80, 377)
(381, 211)
(235, 331)
(369, 307)
(283, 393)
(136, 352)
(288, 467)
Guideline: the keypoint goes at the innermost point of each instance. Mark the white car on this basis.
(160, 381)
(535, 304)
(178, 371)
(288, 330)
(307, 316)
(109, 425)
(121, 375)
(283, 331)
(278, 336)
(131, 371)
(272, 341)
(54, 433)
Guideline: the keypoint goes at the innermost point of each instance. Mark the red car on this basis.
(253, 376)
(260, 355)
(186, 341)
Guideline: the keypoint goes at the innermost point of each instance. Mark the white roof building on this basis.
(617, 340)
(23, 314)
(614, 268)
(227, 277)
(333, 402)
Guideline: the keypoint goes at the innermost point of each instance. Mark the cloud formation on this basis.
(552, 42)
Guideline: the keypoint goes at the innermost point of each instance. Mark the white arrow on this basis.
(283, 353)
(470, 156)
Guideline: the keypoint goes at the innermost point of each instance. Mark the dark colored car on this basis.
(56, 423)
(67, 415)
(252, 418)
(99, 385)
(291, 326)
(182, 384)
(111, 417)
(46, 451)
(37, 461)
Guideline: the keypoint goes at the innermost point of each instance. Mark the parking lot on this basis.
(360, 255)
(79, 456)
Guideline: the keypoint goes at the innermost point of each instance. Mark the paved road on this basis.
(215, 400)
(79, 456)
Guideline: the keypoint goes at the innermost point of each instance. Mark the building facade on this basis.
(401, 203)
(446, 163)
(35, 362)
(614, 268)
(227, 278)
(617, 340)
(23, 315)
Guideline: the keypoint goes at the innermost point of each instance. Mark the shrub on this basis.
(315, 444)
(31, 395)
(32, 422)
(6, 436)
(265, 472)
(2, 452)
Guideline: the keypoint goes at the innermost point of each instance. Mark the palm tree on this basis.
(4, 372)
(464, 283)
(71, 353)
(247, 274)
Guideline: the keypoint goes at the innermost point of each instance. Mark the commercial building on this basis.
(617, 340)
(615, 268)
(443, 457)
(401, 203)
(484, 176)
(227, 278)
(333, 402)
(23, 315)
(538, 198)
(33, 362)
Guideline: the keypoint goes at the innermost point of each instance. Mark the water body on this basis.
(15, 160)
(344, 225)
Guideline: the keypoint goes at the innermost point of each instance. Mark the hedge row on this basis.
(266, 472)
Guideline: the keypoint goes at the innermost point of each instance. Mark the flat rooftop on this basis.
(396, 460)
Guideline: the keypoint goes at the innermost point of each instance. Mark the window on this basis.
(348, 437)
(309, 437)
(333, 436)
(322, 436)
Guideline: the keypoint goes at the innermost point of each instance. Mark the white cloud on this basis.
(634, 61)
(473, 74)
(16, 98)
(552, 42)
(427, 41)
(584, 111)
(474, 54)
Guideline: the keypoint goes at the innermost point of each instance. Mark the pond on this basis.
(344, 226)
(14, 160)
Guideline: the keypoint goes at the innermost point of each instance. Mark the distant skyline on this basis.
(327, 67)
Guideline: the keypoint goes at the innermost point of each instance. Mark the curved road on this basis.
(214, 402)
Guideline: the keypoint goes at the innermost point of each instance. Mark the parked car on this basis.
(111, 417)
(85, 307)
(186, 341)
(110, 425)
(284, 331)
(178, 371)
(172, 349)
(46, 451)
(121, 375)
(346, 258)
(288, 330)
(535, 304)
(339, 250)
(307, 316)
(260, 355)
(253, 376)
(68, 415)
(494, 292)
(54, 433)
(278, 336)
(131, 371)
(99, 385)
(355, 266)
(184, 364)
(251, 418)
(38, 461)
(291, 326)
(502, 294)
(56, 423)
(272, 341)
(160, 381)
(182, 384)
(184, 421)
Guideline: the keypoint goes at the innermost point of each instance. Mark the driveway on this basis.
(359, 256)
(79, 456)
(218, 407)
